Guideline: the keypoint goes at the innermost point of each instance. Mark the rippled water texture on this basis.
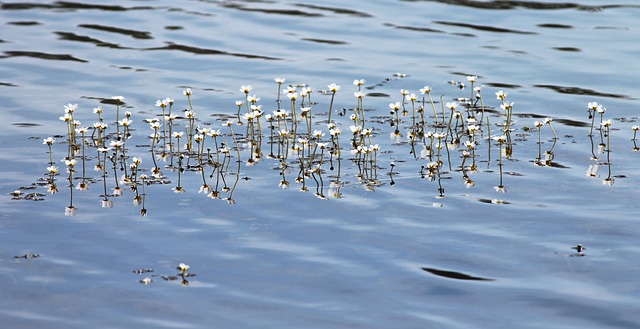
(400, 256)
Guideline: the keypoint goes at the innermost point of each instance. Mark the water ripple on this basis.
(415, 28)
(336, 10)
(65, 5)
(40, 55)
(207, 51)
(581, 91)
(131, 33)
(290, 12)
(81, 38)
(526, 4)
(483, 27)
(331, 42)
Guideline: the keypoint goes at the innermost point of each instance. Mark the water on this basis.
(282, 258)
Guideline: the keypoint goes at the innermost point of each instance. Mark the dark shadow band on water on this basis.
(505, 5)
(81, 38)
(289, 12)
(414, 28)
(582, 91)
(205, 51)
(58, 5)
(483, 27)
(131, 33)
(454, 275)
(40, 55)
(331, 42)
(336, 10)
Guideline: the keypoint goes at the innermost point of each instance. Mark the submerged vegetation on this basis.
(303, 140)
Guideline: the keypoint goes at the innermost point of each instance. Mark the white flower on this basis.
(425, 90)
(125, 122)
(70, 108)
(161, 103)
(451, 105)
(183, 268)
(333, 88)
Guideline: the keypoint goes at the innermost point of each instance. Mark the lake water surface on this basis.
(380, 244)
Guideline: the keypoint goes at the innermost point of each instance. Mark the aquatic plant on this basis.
(435, 142)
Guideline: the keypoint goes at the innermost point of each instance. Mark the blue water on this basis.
(284, 258)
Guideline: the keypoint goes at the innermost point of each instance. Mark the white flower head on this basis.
(333, 88)
(246, 89)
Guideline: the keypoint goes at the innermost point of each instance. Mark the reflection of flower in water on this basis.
(500, 188)
(608, 181)
(592, 171)
(106, 203)
(70, 211)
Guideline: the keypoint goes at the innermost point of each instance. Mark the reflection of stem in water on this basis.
(593, 150)
(549, 156)
(239, 161)
(143, 211)
(70, 210)
(440, 188)
(105, 201)
(608, 134)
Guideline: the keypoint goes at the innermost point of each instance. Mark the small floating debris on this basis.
(580, 251)
(27, 256)
(142, 270)
(146, 281)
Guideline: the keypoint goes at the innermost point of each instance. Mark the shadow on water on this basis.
(41, 55)
(524, 4)
(65, 5)
(581, 91)
(485, 28)
(132, 33)
(334, 10)
(80, 38)
(206, 51)
(454, 275)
